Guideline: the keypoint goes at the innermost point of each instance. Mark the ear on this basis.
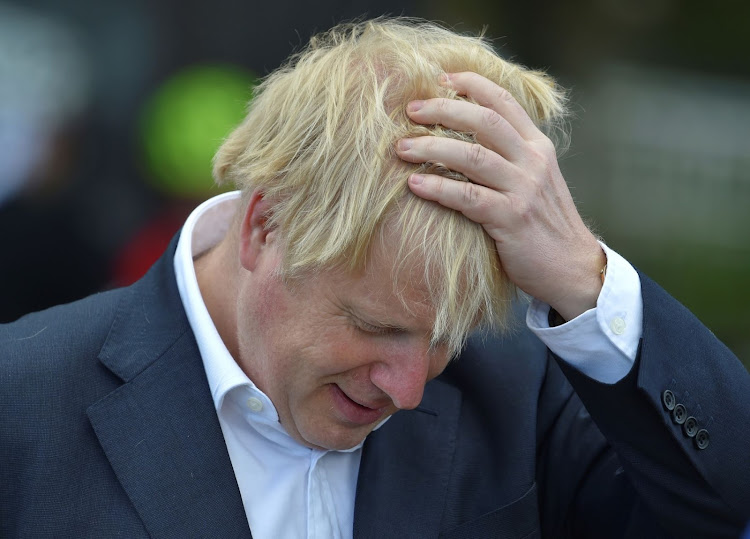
(255, 236)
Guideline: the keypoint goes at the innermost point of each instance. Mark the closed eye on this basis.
(378, 330)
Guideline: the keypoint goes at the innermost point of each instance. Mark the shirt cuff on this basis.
(602, 342)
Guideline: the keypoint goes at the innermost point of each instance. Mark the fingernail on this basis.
(414, 106)
(405, 144)
(444, 78)
(416, 179)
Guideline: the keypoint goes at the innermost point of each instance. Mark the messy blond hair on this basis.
(318, 141)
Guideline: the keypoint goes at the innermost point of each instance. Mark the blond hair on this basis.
(319, 138)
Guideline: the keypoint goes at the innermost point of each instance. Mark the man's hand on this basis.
(516, 193)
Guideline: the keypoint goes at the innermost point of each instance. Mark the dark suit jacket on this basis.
(107, 428)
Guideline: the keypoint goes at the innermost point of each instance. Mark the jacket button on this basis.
(690, 427)
(679, 414)
(667, 398)
(701, 439)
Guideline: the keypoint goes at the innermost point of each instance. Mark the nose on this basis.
(402, 376)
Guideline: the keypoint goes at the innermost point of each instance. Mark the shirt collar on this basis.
(203, 229)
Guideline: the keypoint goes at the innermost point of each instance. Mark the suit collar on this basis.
(149, 319)
(159, 429)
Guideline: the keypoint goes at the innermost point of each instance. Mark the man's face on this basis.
(337, 353)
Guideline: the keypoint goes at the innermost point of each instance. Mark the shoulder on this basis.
(41, 350)
(61, 327)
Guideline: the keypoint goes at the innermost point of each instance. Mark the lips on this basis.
(353, 411)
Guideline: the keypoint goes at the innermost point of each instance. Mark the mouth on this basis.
(353, 411)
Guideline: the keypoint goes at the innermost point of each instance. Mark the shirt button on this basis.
(617, 325)
(254, 404)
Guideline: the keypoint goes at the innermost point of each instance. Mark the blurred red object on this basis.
(147, 245)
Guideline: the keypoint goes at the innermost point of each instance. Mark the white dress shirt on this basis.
(289, 490)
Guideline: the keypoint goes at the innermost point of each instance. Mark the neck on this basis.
(216, 272)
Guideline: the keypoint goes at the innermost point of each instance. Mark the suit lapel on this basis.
(159, 429)
(403, 480)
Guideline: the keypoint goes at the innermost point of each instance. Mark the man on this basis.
(395, 187)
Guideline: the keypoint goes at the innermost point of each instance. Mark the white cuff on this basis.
(602, 342)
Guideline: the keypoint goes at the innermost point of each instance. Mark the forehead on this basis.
(397, 285)
(386, 287)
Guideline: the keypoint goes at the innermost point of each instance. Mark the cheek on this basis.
(276, 326)
(297, 342)
(270, 309)
(262, 318)
(328, 351)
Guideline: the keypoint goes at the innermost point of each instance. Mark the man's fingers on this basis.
(492, 130)
(477, 202)
(474, 161)
(490, 95)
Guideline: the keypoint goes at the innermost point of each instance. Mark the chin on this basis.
(336, 438)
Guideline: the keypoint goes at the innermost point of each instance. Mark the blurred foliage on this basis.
(574, 35)
(184, 122)
(709, 281)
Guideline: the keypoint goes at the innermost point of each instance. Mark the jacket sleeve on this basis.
(678, 426)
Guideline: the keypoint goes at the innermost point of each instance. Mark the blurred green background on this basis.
(659, 159)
